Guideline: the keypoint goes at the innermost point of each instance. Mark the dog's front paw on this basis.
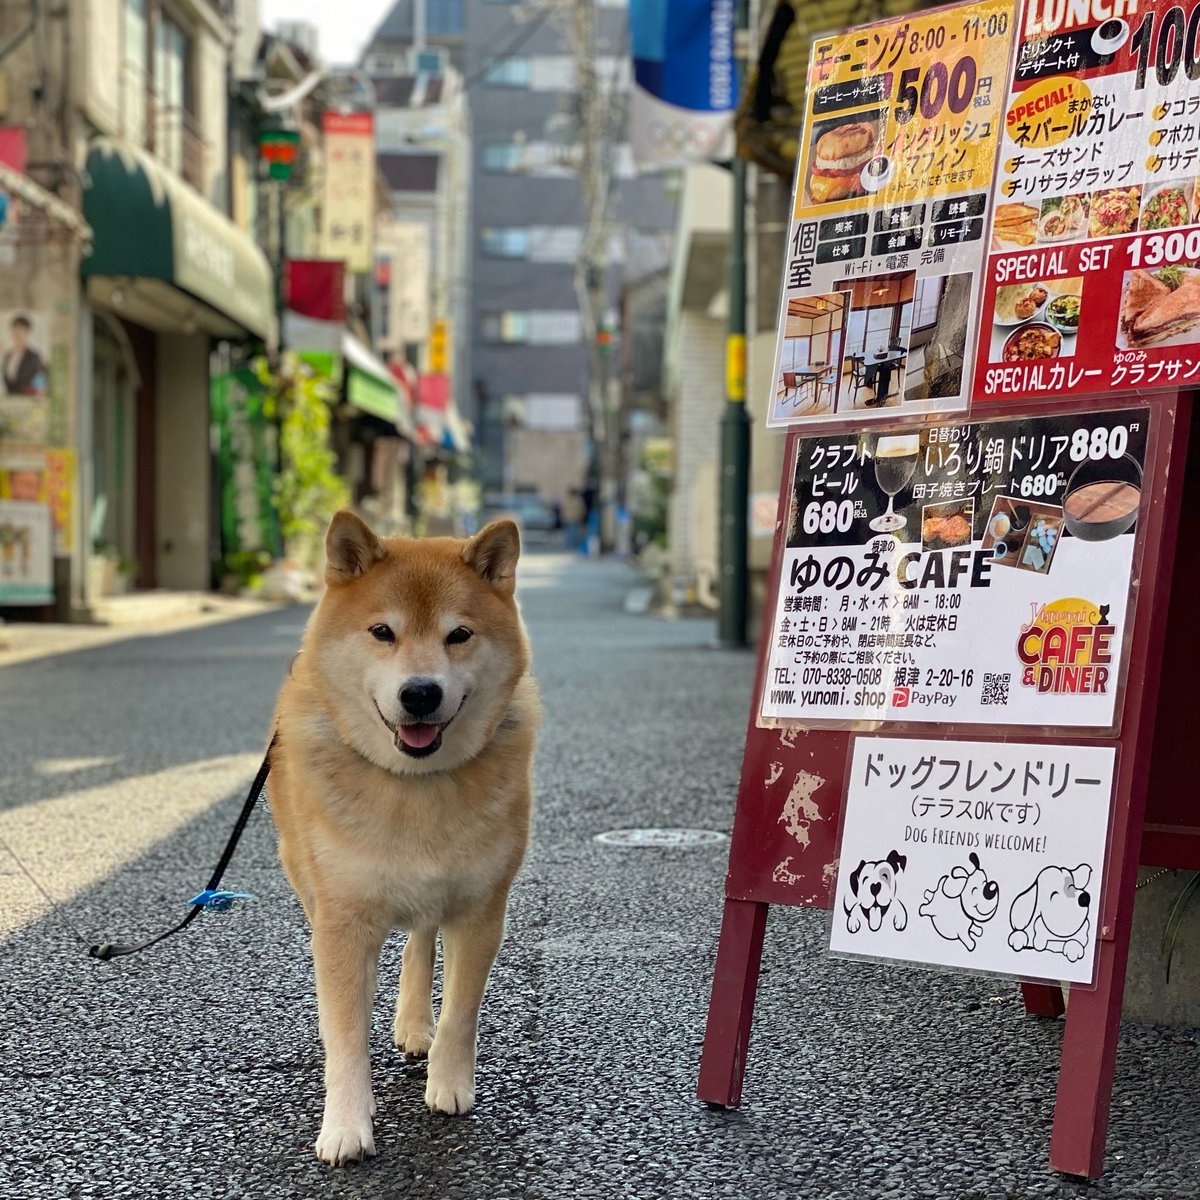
(1073, 951)
(450, 1093)
(345, 1140)
(414, 1040)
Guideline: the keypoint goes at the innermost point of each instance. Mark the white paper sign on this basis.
(980, 855)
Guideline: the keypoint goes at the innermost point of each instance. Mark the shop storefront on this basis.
(168, 279)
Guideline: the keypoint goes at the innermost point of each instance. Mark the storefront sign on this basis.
(1092, 285)
(982, 855)
(972, 574)
(246, 454)
(349, 194)
(26, 564)
(890, 216)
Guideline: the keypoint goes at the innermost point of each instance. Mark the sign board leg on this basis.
(731, 1009)
(1043, 999)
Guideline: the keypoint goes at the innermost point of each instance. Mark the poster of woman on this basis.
(24, 377)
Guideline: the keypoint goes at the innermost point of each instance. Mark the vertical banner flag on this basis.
(684, 81)
(1093, 284)
(349, 195)
(890, 216)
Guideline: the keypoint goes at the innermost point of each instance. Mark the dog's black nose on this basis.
(1084, 899)
(875, 889)
(420, 697)
(991, 890)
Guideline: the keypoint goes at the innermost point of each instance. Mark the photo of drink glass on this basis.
(895, 465)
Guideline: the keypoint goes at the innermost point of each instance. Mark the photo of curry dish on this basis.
(1114, 211)
(1033, 342)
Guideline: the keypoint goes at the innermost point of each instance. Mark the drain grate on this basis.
(660, 837)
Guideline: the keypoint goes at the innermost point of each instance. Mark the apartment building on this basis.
(527, 360)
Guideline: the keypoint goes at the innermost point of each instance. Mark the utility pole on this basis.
(596, 120)
(735, 423)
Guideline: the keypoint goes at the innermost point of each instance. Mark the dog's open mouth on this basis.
(418, 739)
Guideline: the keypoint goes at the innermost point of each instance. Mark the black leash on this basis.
(209, 898)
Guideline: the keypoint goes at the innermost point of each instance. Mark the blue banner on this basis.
(685, 85)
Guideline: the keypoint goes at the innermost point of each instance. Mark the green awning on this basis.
(371, 388)
(147, 223)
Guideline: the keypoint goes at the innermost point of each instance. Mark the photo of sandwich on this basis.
(1159, 308)
(1015, 226)
(839, 154)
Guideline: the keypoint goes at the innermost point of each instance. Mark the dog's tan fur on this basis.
(372, 839)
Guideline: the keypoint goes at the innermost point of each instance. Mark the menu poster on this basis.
(959, 574)
(890, 216)
(1093, 284)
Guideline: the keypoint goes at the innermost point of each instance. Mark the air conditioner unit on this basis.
(429, 60)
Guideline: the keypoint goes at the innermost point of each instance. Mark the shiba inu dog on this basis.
(401, 787)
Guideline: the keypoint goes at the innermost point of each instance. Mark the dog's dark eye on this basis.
(382, 633)
(457, 636)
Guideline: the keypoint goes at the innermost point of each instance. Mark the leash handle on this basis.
(106, 951)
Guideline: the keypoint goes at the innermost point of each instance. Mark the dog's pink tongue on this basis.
(417, 736)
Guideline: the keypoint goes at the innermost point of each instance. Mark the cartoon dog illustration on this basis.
(874, 886)
(1053, 912)
(961, 903)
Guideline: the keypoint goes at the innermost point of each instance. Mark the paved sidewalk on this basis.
(193, 1071)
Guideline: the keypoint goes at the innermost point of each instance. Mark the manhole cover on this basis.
(660, 837)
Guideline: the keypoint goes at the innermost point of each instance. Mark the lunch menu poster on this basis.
(959, 574)
(890, 216)
(1093, 280)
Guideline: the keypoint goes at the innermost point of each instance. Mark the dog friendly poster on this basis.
(890, 216)
(981, 855)
(959, 574)
(1093, 283)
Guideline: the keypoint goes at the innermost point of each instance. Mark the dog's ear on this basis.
(854, 876)
(956, 882)
(899, 861)
(1081, 876)
(351, 549)
(492, 554)
(974, 859)
(1020, 916)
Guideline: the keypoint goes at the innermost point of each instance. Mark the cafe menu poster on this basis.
(959, 574)
(1093, 281)
(890, 216)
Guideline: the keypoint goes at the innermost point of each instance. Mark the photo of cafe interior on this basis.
(809, 357)
(875, 356)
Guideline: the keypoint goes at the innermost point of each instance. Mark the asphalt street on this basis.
(193, 1070)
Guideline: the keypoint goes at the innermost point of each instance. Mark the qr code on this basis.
(995, 689)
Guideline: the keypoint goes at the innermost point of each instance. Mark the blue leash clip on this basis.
(218, 901)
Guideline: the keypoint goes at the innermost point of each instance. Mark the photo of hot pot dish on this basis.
(838, 158)
(1103, 498)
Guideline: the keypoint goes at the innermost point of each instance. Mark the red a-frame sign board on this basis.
(1155, 819)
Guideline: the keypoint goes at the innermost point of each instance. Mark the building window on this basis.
(502, 156)
(928, 301)
(508, 72)
(135, 73)
(506, 328)
(506, 243)
(444, 18)
(549, 410)
(175, 133)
